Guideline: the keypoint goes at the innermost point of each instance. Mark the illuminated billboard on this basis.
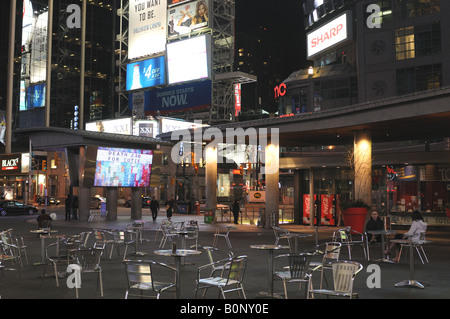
(118, 167)
(333, 33)
(147, 27)
(147, 73)
(189, 60)
(195, 95)
(38, 67)
(187, 17)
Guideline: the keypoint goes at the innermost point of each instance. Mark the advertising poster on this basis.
(147, 27)
(35, 96)
(189, 96)
(123, 167)
(307, 209)
(187, 17)
(38, 70)
(326, 208)
(147, 73)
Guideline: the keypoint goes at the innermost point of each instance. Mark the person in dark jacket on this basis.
(169, 207)
(235, 208)
(374, 223)
(154, 207)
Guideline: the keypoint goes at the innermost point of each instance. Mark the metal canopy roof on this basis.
(49, 138)
(418, 116)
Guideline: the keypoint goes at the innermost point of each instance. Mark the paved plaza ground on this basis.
(435, 273)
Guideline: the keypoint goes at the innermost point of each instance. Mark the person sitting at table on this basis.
(374, 223)
(42, 217)
(418, 226)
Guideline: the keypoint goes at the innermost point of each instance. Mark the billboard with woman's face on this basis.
(187, 17)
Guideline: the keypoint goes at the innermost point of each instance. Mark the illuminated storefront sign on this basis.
(280, 90)
(237, 99)
(329, 35)
(11, 163)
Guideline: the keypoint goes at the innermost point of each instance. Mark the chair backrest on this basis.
(100, 238)
(138, 271)
(45, 224)
(344, 272)
(332, 251)
(422, 236)
(237, 269)
(192, 231)
(215, 254)
(84, 237)
(89, 258)
(298, 265)
(279, 231)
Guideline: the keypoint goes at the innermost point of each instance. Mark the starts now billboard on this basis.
(146, 73)
(176, 98)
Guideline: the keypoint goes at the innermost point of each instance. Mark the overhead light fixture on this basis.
(310, 70)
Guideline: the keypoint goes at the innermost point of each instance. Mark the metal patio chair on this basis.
(230, 279)
(344, 273)
(143, 276)
(296, 271)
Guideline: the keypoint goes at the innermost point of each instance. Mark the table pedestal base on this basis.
(138, 254)
(267, 295)
(411, 283)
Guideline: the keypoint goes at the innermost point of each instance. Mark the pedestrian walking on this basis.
(169, 207)
(69, 206)
(235, 208)
(154, 207)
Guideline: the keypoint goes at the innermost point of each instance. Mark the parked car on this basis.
(96, 201)
(13, 207)
(145, 202)
(50, 201)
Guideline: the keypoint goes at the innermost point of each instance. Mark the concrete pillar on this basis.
(211, 177)
(84, 196)
(136, 203)
(298, 198)
(362, 157)
(272, 167)
(111, 202)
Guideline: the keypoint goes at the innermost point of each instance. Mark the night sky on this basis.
(284, 20)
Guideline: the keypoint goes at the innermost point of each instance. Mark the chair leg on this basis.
(228, 242)
(420, 255)
(285, 289)
(215, 240)
(101, 283)
(424, 255)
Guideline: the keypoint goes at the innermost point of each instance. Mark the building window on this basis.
(404, 43)
(415, 8)
(420, 78)
(418, 41)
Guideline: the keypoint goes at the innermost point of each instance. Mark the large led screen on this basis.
(147, 27)
(147, 73)
(187, 17)
(119, 167)
(189, 60)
